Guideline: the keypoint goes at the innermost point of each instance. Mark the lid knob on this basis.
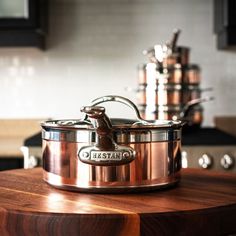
(102, 124)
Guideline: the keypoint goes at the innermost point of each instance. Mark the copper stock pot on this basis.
(98, 154)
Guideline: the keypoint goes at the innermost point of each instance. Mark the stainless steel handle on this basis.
(105, 152)
(174, 39)
(115, 98)
(189, 105)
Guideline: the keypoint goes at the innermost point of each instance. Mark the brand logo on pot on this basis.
(91, 155)
(106, 156)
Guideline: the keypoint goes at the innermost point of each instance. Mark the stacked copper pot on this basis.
(169, 86)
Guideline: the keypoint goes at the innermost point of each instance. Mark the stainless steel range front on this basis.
(209, 148)
(206, 148)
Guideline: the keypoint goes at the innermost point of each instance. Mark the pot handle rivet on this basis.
(126, 155)
(85, 155)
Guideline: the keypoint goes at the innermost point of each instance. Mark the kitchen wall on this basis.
(94, 48)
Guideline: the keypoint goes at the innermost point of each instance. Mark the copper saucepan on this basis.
(191, 113)
(193, 118)
(98, 154)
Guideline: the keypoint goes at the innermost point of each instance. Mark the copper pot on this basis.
(98, 154)
(167, 94)
(174, 74)
(190, 92)
(191, 74)
(179, 55)
(162, 95)
(193, 118)
(179, 74)
(142, 74)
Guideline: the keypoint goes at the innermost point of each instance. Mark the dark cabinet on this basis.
(25, 24)
(225, 23)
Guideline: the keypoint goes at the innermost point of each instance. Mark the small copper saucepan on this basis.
(98, 154)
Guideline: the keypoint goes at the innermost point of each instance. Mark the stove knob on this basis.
(205, 161)
(227, 161)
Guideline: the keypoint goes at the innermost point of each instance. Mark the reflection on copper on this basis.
(174, 74)
(162, 96)
(154, 165)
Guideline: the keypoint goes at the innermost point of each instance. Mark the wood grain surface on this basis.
(204, 203)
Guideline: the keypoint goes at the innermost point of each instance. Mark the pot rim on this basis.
(121, 136)
(117, 124)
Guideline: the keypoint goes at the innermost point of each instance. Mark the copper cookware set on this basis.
(168, 82)
(103, 155)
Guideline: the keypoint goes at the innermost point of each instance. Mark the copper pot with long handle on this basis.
(191, 113)
(193, 117)
(98, 154)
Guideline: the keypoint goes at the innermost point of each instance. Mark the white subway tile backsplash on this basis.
(94, 48)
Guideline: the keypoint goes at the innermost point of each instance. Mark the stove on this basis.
(207, 148)
(32, 151)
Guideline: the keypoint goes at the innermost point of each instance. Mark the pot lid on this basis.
(95, 118)
(67, 123)
(117, 123)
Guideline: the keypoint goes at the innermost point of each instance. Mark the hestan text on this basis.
(106, 156)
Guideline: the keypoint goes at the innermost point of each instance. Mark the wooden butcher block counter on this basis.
(204, 203)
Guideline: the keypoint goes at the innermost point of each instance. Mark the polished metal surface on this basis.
(205, 161)
(182, 55)
(223, 157)
(177, 73)
(168, 80)
(191, 74)
(93, 155)
(155, 164)
(97, 127)
(227, 161)
(167, 94)
(104, 151)
(103, 187)
(193, 117)
(168, 54)
(121, 136)
(127, 154)
(142, 74)
(114, 98)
